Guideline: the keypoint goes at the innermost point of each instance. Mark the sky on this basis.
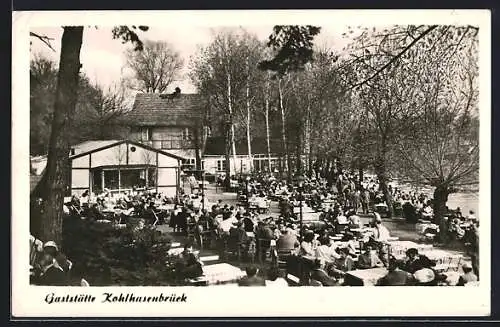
(103, 59)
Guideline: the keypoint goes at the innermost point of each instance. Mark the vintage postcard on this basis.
(251, 163)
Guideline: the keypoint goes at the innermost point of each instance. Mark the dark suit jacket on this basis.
(53, 277)
(322, 276)
(396, 278)
(252, 281)
(420, 263)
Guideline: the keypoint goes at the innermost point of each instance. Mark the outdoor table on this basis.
(166, 207)
(221, 273)
(305, 210)
(398, 248)
(177, 251)
(364, 277)
(311, 216)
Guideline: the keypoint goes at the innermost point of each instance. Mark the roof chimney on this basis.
(175, 94)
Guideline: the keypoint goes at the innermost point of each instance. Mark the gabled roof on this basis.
(91, 145)
(151, 109)
(111, 144)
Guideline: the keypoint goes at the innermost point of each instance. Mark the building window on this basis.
(146, 134)
(187, 134)
(221, 165)
(189, 163)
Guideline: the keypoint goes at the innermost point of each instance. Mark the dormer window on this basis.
(146, 133)
(187, 134)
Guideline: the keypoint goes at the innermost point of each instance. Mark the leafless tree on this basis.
(154, 68)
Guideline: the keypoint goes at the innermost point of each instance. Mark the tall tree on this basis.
(292, 45)
(154, 68)
(217, 73)
(54, 183)
(43, 78)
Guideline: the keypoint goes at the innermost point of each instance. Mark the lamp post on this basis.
(202, 190)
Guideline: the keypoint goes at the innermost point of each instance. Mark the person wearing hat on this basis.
(51, 274)
(416, 261)
(380, 237)
(51, 248)
(468, 275)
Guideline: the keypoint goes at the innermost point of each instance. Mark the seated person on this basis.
(319, 274)
(341, 218)
(189, 265)
(306, 247)
(471, 217)
(427, 212)
(51, 274)
(416, 261)
(396, 276)
(468, 275)
(369, 259)
(274, 278)
(351, 243)
(237, 235)
(287, 241)
(248, 223)
(251, 279)
(326, 251)
(345, 262)
(355, 221)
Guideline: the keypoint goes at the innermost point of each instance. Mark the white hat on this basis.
(424, 275)
(51, 244)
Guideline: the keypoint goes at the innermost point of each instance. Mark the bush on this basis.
(105, 255)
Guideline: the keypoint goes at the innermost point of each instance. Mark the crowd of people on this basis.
(328, 247)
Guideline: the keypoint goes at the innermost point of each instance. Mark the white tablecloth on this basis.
(222, 273)
(367, 276)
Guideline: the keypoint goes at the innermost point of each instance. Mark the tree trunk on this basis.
(249, 137)
(57, 170)
(440, 198)
(283, 132)
(227, 168)
(197, 144)
(361, 177)
(307, 137)
(268, 138)
(381, 171)
(298, 152)
(232, 136)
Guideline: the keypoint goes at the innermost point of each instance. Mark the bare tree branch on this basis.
(45, 39)
(396, 57)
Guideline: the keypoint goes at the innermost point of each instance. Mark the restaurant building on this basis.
(123, 165)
